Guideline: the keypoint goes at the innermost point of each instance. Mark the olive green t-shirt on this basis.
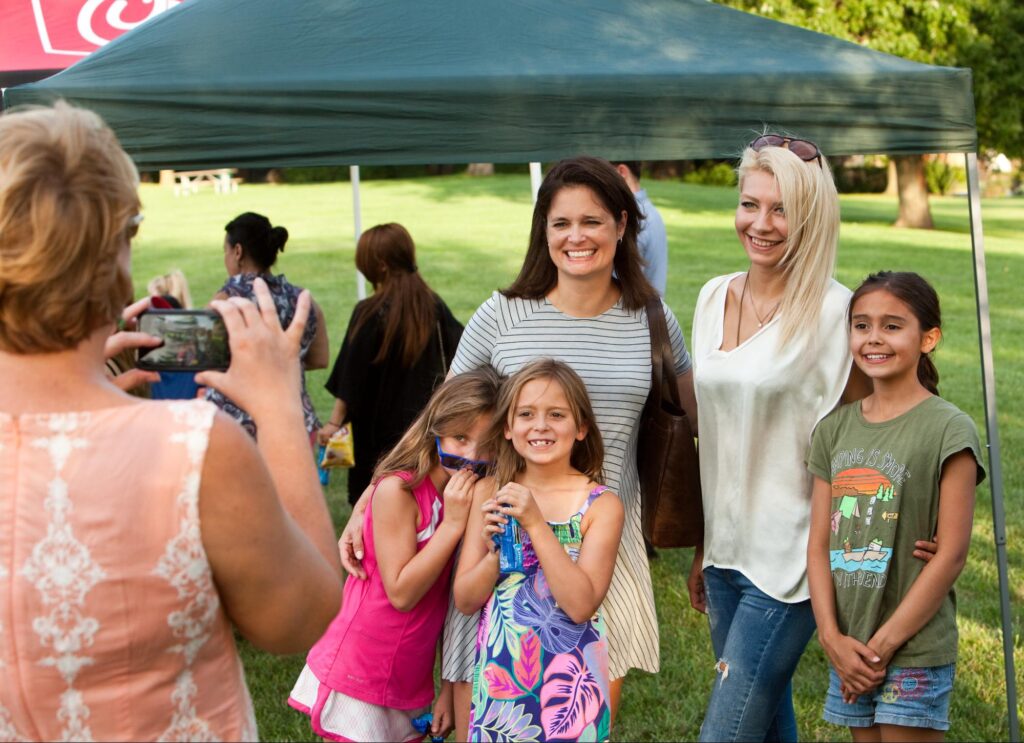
(885, 496)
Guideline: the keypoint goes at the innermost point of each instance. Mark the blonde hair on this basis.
(451, 410)
(587, 455)
(172, 284)
(811, 203)
(68, 196)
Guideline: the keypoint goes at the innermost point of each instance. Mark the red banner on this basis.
(53, 34)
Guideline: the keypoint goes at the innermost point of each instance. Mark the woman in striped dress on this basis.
(580, 298)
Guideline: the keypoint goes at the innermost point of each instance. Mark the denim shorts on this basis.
(911, 697)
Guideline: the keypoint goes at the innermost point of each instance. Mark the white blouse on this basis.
(758, 405)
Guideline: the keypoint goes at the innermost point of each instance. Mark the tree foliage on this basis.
(985, 35)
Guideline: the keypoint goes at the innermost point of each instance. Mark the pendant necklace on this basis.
(769, 315)
(760, 320)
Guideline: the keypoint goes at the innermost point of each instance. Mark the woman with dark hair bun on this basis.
(398, 347)
(251, 245)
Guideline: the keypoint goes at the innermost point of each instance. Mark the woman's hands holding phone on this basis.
(129, 338)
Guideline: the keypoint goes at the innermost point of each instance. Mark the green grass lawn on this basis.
(471, 234)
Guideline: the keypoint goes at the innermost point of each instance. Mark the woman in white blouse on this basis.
(770, 360)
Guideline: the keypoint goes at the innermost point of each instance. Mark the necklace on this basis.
(739, 314)
(760, 320)
(769, 315)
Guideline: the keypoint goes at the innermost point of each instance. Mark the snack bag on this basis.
(510, 548)
(340, 449)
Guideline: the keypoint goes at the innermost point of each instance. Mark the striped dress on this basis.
(612, 354)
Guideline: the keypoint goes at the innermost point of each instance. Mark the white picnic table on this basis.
(189, 181)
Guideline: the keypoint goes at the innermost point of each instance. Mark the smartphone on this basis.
(193, 340)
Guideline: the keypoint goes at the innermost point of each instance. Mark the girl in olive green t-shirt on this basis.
(896, 467)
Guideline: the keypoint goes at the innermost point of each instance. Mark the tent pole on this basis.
(535, 178)
(357, 220)
(995, 474)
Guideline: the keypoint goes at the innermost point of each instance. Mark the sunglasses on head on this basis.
(455, 462)
(802, 148)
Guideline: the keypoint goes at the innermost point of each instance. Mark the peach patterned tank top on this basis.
(110, 624)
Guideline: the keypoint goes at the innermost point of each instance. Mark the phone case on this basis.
(194, 340)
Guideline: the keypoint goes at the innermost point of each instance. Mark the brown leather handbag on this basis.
(672, 514)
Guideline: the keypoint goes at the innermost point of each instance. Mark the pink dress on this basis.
(110, 624)
(372, 671)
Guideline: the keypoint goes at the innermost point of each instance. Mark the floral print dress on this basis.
(539, 676)
(286, 297)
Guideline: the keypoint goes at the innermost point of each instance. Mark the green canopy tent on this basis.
(259, 83)
(253, 83)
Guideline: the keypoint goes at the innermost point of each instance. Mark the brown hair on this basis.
(452, 409)
(587, 455)
(386, 255)
(539, 276)
(68, 196)
(915, 292)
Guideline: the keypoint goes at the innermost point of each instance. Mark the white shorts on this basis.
(337, 716)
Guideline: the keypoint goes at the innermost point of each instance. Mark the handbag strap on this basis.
(663, 376)
(440, 343)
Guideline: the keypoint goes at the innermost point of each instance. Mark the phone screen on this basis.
(193, 340)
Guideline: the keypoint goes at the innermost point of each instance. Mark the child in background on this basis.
(898, 466)
(542, 657)
(370, 675)
(169, 291)
(171, 285)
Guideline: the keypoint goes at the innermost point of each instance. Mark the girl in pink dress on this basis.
(371, 674)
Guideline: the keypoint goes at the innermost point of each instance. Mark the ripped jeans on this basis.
(758, 642)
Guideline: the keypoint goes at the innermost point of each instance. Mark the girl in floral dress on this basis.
(542, 658)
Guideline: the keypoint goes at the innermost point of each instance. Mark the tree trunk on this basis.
(480, 169)
(891, 188)
(914, 209)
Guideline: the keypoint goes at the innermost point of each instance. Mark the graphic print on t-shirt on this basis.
(865, 509)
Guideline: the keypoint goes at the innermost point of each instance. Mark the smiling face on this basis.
(541, 426)
(886, 338)
(761, 220)
(582, 234)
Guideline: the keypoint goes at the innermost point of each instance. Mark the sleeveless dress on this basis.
(371, 673)
(111, 627)
(539, 676)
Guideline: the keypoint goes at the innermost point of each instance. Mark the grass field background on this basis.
(471, 235)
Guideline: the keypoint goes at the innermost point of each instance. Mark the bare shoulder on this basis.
(484, 488)
(607, 505)
(231, 450)
(234, 477)
(393, 496)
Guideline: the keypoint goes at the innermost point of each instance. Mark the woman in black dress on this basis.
(397, 349)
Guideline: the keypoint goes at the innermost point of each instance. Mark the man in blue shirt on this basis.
(652, 240)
